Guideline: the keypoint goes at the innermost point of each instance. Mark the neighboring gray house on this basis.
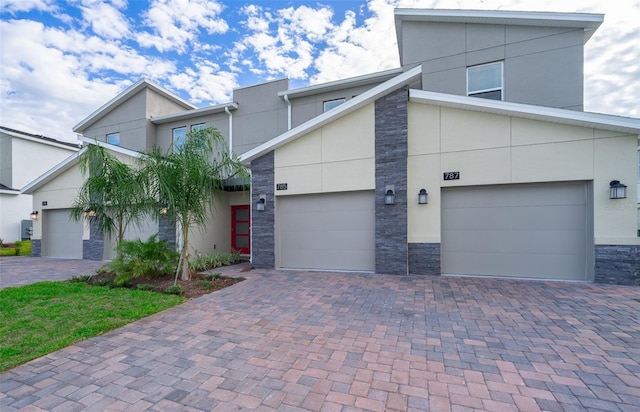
(23, 157)
(484, 114)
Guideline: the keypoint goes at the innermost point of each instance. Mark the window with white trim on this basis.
(179, 137)
(330, 104)
(114, 139)
(199, 126)
(485, 81)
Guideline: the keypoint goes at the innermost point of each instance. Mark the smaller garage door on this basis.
(327, 231)
(527, 230)
(62, 237)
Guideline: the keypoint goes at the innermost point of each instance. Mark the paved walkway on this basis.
(22, 270)
(341, 342)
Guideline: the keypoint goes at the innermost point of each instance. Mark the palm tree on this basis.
(112, 195)
(186, 179)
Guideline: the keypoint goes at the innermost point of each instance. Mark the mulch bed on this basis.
(198, 285)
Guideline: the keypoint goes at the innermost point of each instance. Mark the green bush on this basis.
(175, 290)
(137, 258)
(23, 248)
(199, 262)
(144, 286)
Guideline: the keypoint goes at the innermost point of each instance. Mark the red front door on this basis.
(240, 233)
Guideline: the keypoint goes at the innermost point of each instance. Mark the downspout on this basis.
(226, 109)
(286, 99)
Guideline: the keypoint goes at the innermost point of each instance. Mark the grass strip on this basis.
(43, 317)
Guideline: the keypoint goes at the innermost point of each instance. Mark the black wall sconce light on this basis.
(422, 197)
(389, 197)
(34, 215)
(261, 203)
(617, 190)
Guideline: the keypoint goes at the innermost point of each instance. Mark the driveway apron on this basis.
(284, 340)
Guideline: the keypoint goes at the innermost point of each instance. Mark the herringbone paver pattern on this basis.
(340, 342)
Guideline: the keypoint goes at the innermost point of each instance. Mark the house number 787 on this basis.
(451, 175)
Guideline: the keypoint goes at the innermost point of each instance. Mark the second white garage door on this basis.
(62, 237)
(333, 231)
(528, 230)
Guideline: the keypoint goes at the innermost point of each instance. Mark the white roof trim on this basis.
(10, 192)
(572, 117)
(50, 141)
(341, 84)
(167, 118)
(587, 21)
(333, 114)
(71, 161)
(124, 95)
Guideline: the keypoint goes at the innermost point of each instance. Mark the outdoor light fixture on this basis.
(34, 215)
(164, 210)
(260, 204)
(422, 197)
(89, 213)
(617, 190)
(389, 197)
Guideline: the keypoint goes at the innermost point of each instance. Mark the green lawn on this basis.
(43, 317)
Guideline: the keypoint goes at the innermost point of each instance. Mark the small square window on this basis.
(114, 139)
(485, 81)
(199, 126)
(179, 138)
(330, 104)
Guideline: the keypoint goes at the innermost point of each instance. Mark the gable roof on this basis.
(344, 109)
(549, 114)
(204, 111)
(589, 22)
(72, 161)
(38, 138)
(141, 84)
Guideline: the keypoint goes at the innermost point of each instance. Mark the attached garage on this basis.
(62, 236)
(334, 231)
(527, 231)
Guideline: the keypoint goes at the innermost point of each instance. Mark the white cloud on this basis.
(105, 19)
(205, 83)
(176, 23)
(13, 6)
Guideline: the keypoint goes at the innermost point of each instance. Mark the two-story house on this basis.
(23, 157)
(472, 158)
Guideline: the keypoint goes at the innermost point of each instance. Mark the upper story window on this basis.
(114, 139)
(199, 126)
(330, 104)
(179, 137)
(485, 81)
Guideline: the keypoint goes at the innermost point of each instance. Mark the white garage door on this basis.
(328, 231)
(532, 231)
(61, 236)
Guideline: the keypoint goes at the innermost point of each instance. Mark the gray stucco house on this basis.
(472, 158)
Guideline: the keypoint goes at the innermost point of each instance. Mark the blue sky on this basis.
(61, 60)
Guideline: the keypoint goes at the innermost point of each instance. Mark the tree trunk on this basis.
(186, 274)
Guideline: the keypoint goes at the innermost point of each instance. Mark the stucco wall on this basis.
(337, 157)
(497, 149)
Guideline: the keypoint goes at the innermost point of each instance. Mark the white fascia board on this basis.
(572, 117)
(204, 111)
(52, 173)
(9, 192)
(113, 148)
(348, 107)
(49, 141)
(124, 95)
(340, 84)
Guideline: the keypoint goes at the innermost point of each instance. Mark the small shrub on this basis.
(137, 258)
(175, 290)
(205, 284)
(144, 286)
(104, 282)
(23, 248)
(80, 279)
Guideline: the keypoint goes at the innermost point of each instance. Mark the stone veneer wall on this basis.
(424, 259)
(36, 247)
(93, 249)
(391, 139)
(263, 237)
(617, 264)
(167, 230)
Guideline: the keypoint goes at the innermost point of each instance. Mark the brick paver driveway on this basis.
(22, 270)
(328, 341)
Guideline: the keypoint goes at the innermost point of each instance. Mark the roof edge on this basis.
(125, 94)
(193, 113)
(41, 139)
(572, 117)
(350, 106)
